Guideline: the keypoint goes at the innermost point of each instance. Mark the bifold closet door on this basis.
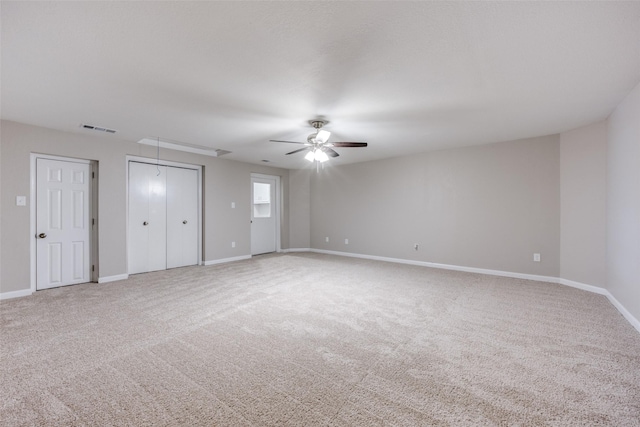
(182, 217)
(147, 217)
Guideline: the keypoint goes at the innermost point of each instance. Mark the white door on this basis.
(62, 223)
(182, 217)
(263, 215)
(147, 217)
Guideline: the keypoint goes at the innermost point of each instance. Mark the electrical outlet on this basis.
(233, 244)
(326, 239)
(346, 241)
(233, 205)
(536, 257)
(416, 246)
(21, 200)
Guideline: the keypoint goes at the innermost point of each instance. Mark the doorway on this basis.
(265, 214)
(63, 217)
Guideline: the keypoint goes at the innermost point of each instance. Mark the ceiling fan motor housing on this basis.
(318, 123)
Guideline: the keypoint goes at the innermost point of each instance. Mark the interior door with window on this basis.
(63, 229)
(263, 215)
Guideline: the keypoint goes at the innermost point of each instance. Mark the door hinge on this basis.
(93, 175)
(93, 222)
(93, 268)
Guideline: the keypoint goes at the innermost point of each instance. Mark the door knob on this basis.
(145, 223)
(42, 235)
(184, 222)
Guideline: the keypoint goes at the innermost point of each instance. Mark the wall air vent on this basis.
(97, 128)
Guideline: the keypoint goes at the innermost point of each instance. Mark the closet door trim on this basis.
(198, 168)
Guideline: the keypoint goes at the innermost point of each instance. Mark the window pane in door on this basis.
(261, 200)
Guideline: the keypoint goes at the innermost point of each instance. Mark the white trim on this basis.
(444, 266)
(15, 294)
(93, 242)
(107, 279)
(32, 223)
(578, 285)
(225, 260)
(565, 282)
(290, 250)
(161, 162)
(634, 322)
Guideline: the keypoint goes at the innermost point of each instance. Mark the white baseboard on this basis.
(578, 285)
(286, 251)
(444, 266)
(630, 318)
(225, 260)
(565, 282)
(115, 278)
(15, 294)
(602, 291)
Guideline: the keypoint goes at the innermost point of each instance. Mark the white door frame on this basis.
(278, 208)
(148, 160)
(93, 213)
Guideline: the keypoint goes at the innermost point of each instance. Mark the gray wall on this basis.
(1, 204)
(583, 205)
(225, 181)
(300, 208)
(623, 203)
(489, 206)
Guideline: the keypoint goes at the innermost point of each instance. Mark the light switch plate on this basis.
(21, 200)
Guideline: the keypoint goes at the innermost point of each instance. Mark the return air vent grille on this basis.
(97, 128)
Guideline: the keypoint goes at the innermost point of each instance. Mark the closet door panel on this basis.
(138, 214)
(157, 217)
(182, 217)
(147, 218)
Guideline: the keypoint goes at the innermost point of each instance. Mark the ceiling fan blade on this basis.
(297, 151)
(348, 144)
(289, 142)
(330, 152)
(322, 136)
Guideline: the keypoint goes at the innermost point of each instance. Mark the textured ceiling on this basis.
(404, 76)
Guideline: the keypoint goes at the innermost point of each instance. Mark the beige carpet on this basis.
(307, 339)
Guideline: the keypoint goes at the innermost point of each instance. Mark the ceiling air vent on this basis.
(97, 128)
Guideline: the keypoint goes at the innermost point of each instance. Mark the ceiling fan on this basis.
(317, 145)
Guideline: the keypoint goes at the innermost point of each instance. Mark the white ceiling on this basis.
(404, 76)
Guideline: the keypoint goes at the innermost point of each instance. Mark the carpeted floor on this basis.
(308, 339)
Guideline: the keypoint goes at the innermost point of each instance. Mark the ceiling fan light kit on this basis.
(317, 145)
(317, 155)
